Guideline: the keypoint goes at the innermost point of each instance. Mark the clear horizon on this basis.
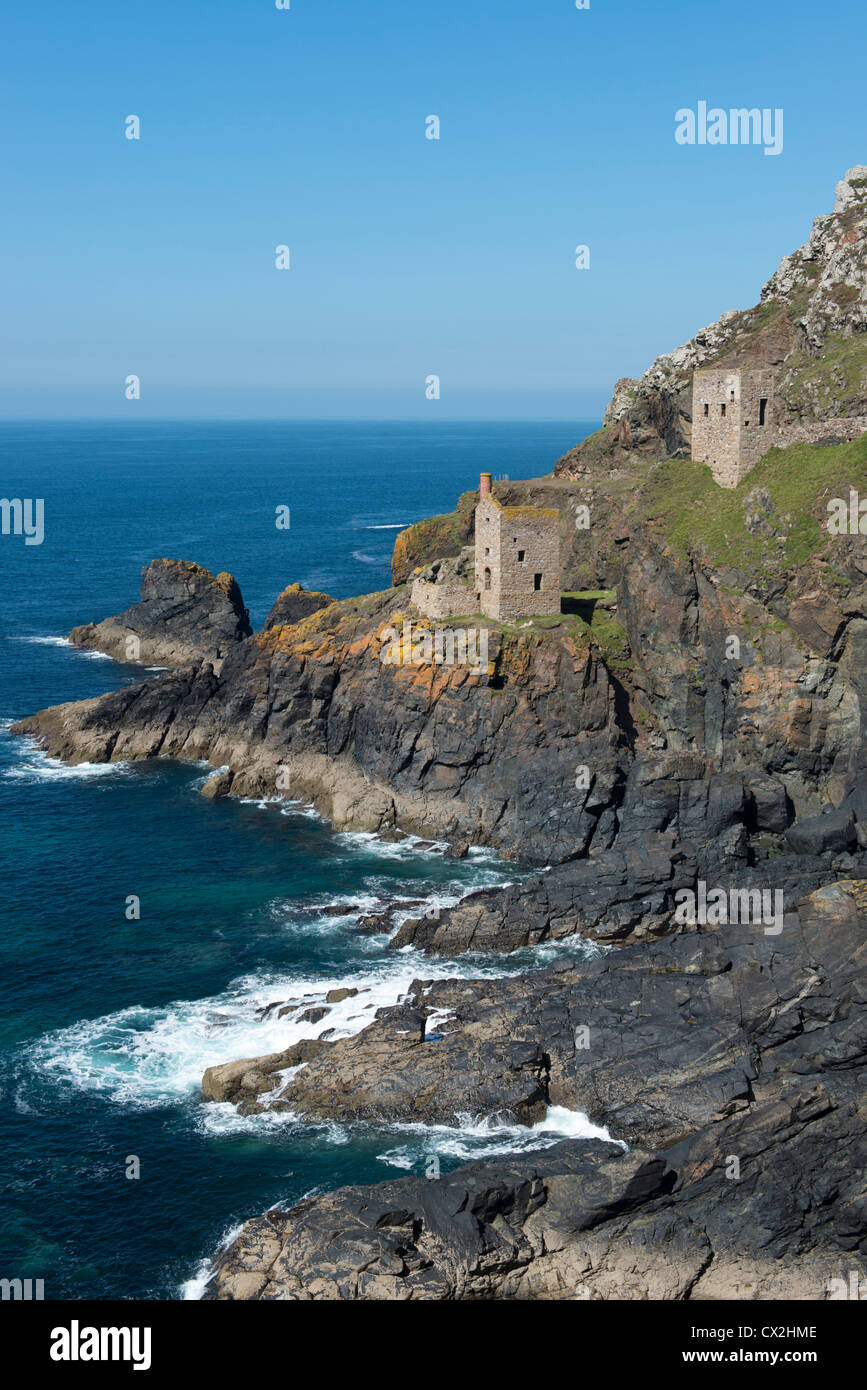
(410, 258)
(213, 419)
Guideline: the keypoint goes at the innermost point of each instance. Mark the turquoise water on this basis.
(106, 1024)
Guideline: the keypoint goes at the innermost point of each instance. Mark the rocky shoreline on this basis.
(679, 761)
(734, 1063)
(707, 1046)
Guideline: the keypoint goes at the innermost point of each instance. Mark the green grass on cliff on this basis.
(836, 379)
(684, 506)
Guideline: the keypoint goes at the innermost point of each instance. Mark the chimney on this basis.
(484, 486)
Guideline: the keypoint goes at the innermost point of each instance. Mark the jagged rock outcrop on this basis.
(186, 615)
(737, 636)
(753, 1004)
(810, 327)
(313, 711)
(735, 1062)
(295, 603)
(582, 1221)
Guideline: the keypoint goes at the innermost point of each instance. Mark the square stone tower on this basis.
(731, 420)
(517, 558)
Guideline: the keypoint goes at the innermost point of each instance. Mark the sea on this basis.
(116, 1180)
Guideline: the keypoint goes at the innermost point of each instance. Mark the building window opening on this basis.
(707, 409)
(487, 578)
(537, 582)
(763, 406)
(521, 554)
(722, 409)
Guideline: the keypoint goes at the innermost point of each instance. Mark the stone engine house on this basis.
(513, 573)
(517, 558)
(731, 420)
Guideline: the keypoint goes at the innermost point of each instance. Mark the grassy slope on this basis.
(682, 503)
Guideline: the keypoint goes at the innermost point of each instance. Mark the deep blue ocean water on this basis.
(106, 1024)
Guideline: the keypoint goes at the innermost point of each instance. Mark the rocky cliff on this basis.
(375, 743)
(695, 716)
(810, 327)
(736, 636)
(185, 615)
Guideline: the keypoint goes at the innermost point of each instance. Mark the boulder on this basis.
(832, 832)
(294, 604)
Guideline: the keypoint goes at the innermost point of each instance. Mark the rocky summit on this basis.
(677, 765)
(808, 328)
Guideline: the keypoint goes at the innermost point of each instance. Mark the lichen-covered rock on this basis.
(311, 710)
(296, 603)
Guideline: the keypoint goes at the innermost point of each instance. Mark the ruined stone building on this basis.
(517, 558)
(733, 423)
(515, 573)
(731, 420)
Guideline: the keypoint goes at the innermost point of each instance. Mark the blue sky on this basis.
(410, 257)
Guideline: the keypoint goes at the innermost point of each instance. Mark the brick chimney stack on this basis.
(484, 486)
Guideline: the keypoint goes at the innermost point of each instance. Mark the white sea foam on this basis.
(284, 805)
(193, 1288)
(372, 842)
(35, 767)
(208, 773)
(388, 526)
(485, 1136)
(63, 642)
(156, 1056)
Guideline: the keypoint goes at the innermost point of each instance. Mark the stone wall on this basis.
(488, 556)
(716, 436)
(838, 431)
(445, 589)
(756, 439)
(443, 601)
